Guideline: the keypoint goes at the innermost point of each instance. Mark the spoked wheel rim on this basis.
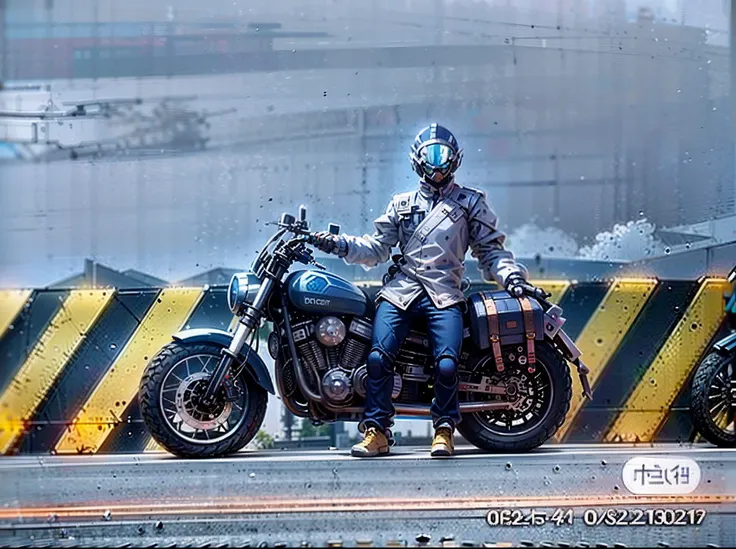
(533, 395)
(183, 384)
(721, 398)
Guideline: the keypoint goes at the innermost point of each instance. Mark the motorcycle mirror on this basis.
(287, 219)
(334, 228)
(302, 213)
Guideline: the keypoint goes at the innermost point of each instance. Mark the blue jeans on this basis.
(391, 326)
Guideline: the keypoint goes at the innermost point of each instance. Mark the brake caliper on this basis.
(232, 392)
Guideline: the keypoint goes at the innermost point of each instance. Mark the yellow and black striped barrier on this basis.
(71, 360)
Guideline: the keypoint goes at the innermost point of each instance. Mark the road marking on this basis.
(103, 409)
(603, 334)
(270, 505)
(649, 404)
(11, 303)
(47, 359)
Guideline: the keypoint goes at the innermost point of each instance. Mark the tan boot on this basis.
(374, 444)
(443, 444)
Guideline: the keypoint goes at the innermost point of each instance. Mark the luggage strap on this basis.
(494, 332)
(526, 309)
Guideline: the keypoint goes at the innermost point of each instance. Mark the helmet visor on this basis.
(437, 155)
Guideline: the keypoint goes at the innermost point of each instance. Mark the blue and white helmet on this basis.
(435, 155)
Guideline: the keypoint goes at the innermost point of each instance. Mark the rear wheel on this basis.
(170, 393)
(712, 397)
(541, 402)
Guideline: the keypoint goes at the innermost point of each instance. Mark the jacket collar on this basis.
(429, 192)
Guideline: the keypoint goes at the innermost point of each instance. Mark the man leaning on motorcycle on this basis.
(433, 226)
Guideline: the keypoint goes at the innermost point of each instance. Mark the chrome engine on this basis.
(330, 353)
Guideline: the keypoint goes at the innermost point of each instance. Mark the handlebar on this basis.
(304, 235)
(537, 293)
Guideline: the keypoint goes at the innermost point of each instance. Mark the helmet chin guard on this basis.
(435, 155)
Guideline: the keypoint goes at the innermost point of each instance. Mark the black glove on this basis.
(517, 286)
(326, 242)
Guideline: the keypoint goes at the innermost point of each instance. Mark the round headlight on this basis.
(232, 293)
(242, 289)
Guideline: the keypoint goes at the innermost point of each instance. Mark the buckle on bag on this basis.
(528, 315)
(493, 330)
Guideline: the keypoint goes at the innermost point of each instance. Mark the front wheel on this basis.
(541, 402)
(712, 399)
(170, 389)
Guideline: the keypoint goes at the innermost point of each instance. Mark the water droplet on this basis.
(113, 346)
(509, 466)
(107, 515)
(252, 475)
(667, 250)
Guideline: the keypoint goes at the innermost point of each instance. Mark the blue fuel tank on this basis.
(322, 292)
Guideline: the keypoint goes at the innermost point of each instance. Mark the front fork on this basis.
(247, 324)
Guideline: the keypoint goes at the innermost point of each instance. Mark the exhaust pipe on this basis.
(416, 410)
(465, 408)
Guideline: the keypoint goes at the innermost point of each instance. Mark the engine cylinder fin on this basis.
(354, 353)
(333, 357)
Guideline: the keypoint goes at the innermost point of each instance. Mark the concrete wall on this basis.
(597, 122)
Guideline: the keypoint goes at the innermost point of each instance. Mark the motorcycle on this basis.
(713, 389)
(204, 394)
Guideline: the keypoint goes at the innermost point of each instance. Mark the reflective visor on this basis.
(437, 155)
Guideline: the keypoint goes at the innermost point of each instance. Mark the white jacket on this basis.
(434, 230)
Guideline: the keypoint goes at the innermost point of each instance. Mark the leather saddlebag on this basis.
(497, 319)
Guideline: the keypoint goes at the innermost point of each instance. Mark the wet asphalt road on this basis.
(319, 496)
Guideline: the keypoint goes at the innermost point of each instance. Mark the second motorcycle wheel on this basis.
(712, 396)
